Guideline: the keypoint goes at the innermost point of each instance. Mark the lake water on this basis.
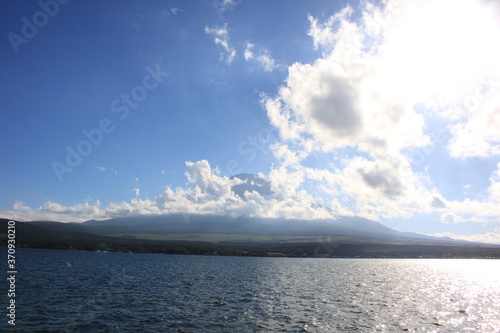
(71, 291)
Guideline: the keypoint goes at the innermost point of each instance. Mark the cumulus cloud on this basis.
(343, 98)
(221, 38)
(328, 35)
(367, 92)
(214, 194)
(207, 193)
(286, 156)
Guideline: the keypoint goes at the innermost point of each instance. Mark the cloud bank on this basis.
(208, 193)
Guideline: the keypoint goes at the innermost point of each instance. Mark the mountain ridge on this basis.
(223, 235)
(356, 227)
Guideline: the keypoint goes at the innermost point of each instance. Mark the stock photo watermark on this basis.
(11, 272)
(120, 106)
(250, 148)
(486, 88)
(30, 28)
(326, 248)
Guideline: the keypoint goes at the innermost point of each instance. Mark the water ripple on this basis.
(112, 292)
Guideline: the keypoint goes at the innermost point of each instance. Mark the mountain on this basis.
(209, 234)
(353, 227)
(212, 224)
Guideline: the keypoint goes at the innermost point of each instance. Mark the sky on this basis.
(384, 110)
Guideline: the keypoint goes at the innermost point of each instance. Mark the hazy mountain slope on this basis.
(326, 240)
(209, 224)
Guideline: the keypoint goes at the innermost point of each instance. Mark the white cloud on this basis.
(222, 6)
(479, 135)
(206, 181)
(52, 211)
(488, 237)
(472, 211)
(451, 218)
(137, 189)
(329, 34)
(342, 100)
(227, 4)
(290, 196)
(21, 206)
(83, 210)
(174, 10)
(212, 194)
(494, 188)
(208, 193)
(103, 169)
(286, 156)
(263, 57)
(458, 74)
(385, 188)
(171, 11)
(221, 38)
(366, 93)
(485, 211)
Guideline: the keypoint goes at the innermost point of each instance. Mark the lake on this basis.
(73, 291)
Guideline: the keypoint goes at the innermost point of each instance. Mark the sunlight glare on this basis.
(430, 47)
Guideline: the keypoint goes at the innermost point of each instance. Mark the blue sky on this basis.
(390, 111)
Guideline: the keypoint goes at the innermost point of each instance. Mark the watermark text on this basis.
(11, 272)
